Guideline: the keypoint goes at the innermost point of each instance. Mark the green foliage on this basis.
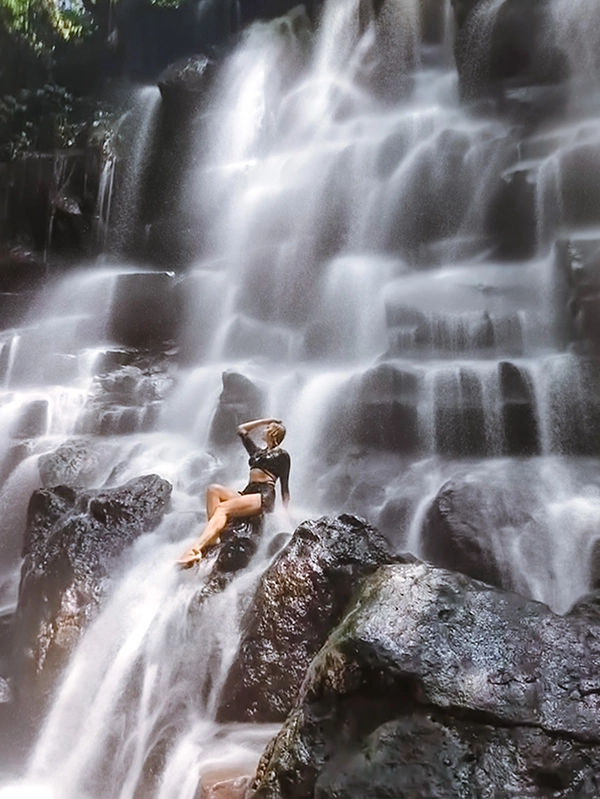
(43, 44)
(45, 119)
(43, 22)
(55, 56)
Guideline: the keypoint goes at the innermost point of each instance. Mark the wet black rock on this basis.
(76, 463)
(496, 521)
(437, 685)
(240, 401)
(127, 392)
(239, 543)
(459, 413)
(385, 410)
(146, 310)
(435, 197)
(587, 607)
(71, 540)
(458, 532)
(185, 84)
(301, 597)
(172, 241)
(521, 434)
(511, 219)
(462, 9)
(508, 58)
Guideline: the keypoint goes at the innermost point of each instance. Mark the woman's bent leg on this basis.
(239, 506)
(215, 494)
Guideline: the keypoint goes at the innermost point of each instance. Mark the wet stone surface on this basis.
(71, 540)
(300, 598)
(437, 685)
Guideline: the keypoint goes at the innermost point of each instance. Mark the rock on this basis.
(462, 9)
(49, 207)
(435, 196)
(172, 241)
(240, 401)
(460, 428)
(578, 267)
(71, 539)
(75, 463)
(497, 521)
(298, 602)
(511, 217)
(238, 543)
(458, 532)
(385, 414)
(588, 607)
(5, 692)
(126, 398)
(185, 83)
(33, 421)
(146, 310)
(500, 49)
(227, 789)
(521, 435)
(437, 685)
(580, 195)
(6, 635)
(270, 9)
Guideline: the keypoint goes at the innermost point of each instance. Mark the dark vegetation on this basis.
(60, 59)
(54, 59)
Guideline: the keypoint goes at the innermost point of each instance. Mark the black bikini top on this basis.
(275, 462)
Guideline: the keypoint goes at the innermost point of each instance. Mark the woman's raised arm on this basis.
(247, 427)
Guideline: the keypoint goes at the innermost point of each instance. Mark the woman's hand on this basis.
(192, 556)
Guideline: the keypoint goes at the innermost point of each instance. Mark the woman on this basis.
(267, 465)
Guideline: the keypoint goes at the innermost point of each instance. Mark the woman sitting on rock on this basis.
(267, 465)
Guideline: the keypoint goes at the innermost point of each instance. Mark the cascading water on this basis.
(346, 272)
(139, 125)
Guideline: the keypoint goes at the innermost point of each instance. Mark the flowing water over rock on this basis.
(375, 263)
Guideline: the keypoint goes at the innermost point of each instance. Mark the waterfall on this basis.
(345, 274)
(136, 130)
(170, 700)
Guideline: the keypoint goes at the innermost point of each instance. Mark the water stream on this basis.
(344, 268)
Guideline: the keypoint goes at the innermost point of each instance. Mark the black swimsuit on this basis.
(274, 462)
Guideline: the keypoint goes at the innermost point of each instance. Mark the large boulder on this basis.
(186, 83)
(76, 463)
(71, 540)
(462, 528)
(438, 685)
(300, 599)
